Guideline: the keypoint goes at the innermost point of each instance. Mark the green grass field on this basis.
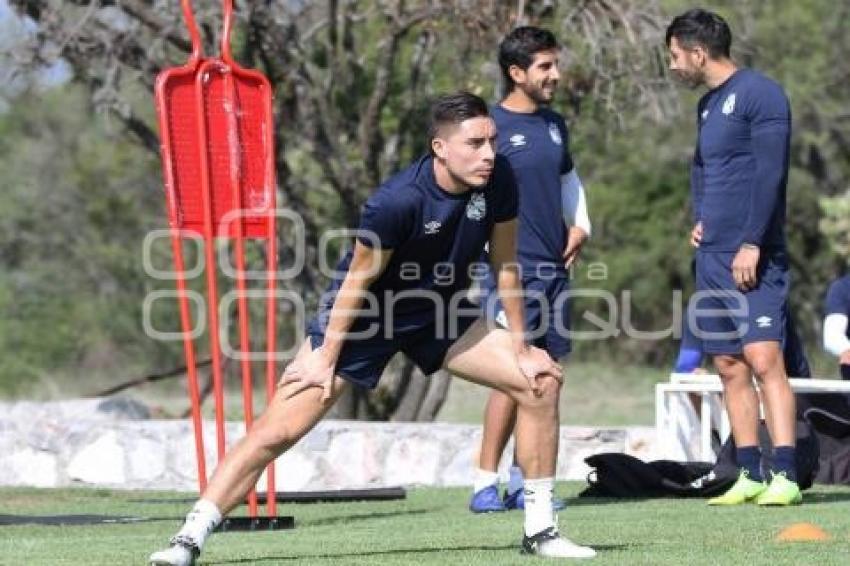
(431, 526)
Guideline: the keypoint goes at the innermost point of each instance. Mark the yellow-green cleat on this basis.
(780, 492)
(743, 490)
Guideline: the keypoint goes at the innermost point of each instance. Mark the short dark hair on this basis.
(703, 28)
(453, 109)
(519, 47)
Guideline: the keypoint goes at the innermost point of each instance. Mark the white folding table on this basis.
(706, 385)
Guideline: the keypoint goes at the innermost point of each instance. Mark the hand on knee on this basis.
(547, 397)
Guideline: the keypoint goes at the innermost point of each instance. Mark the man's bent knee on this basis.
(547, 397)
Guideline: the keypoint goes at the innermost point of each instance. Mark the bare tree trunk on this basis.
(438, 390)
(415, 391)
(346, 119)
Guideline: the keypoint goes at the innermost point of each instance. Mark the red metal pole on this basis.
(177, 251)
(271, 304)
(271, 337)
(209, 245)
(230, 103)
(189, 350)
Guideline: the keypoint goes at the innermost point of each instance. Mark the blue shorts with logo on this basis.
(547, 313)
(371, 344)
(726, 319)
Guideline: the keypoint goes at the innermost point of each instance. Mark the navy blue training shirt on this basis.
(537, 146)
(740, 168)
(838, 298)
(435, 235)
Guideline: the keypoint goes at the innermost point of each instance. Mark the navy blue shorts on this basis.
(547, 313)
(418, 336)
(726, 319)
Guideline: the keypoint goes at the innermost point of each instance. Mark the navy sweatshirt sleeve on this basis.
(771, 133)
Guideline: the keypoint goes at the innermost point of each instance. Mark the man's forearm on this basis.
(835, 339)
(511, 295)
(697, 190)
(771, 168)
(574, 202)
(364, 269)
(346, 305)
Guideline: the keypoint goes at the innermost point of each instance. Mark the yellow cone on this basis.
(802, 532)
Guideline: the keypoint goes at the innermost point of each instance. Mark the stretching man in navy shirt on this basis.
(738, 182)
(403, 289)
(553, 225)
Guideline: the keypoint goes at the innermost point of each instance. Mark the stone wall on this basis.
(113, 443)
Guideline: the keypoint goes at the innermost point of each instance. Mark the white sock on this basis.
(538, 505)
(484, 479)
(515, 482)
(201, 521)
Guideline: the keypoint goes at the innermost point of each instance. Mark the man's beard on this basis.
(538, 95)
(691, 79)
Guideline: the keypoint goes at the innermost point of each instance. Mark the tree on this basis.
(351, 81)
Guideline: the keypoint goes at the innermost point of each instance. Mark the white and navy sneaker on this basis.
(182, 552)
(548, 543)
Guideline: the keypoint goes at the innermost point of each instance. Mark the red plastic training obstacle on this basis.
(217, 131)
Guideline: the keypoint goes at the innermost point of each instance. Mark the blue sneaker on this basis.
(486, 501)
(516, 500)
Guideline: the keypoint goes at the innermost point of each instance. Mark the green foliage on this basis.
(79, 194)
(836, 223)
(77, 202)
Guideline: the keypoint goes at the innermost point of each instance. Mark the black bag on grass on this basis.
(619, 475)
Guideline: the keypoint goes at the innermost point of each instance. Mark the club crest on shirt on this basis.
(517, 140)
(555, 133)
(476, 208)
(729, 104)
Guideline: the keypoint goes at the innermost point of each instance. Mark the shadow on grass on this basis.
(360, 517)
(581, 501)
(397, 551)
(834, 497)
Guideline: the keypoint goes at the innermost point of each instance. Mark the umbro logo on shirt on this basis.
(432, 227)
(764, 321)
(517, 140)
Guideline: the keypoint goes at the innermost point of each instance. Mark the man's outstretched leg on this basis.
(485, 356)
(284, 422)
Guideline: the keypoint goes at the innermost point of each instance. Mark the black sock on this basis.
(749, 459)
(785, 460)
